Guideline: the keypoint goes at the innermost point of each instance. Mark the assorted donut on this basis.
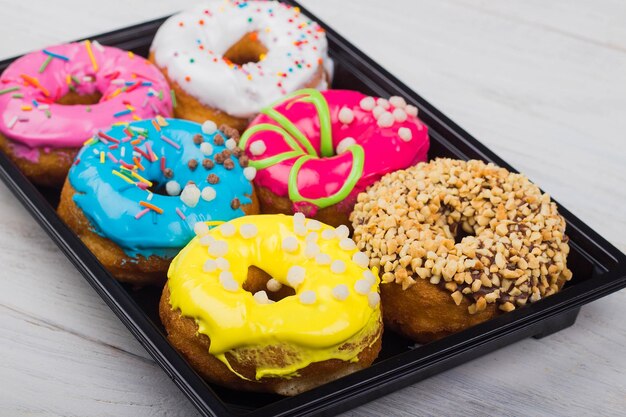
(55, 99)
(286, 222)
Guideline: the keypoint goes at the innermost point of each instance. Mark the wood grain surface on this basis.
(541, 83)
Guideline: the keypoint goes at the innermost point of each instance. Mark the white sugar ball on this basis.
(190, 195)
(381, 102)
(249, 173)
(228, 282)
(273, 285)
(338, 267)
(313, 224)
(248, 231)
(218, 248)
(386, 119)
(298, 218)
(312, 237)
(368, 103)
(373, 299)
(397, 101)
(172, 188)
(361, 259)
(405, 134)
(362, 286)
(208, 194)
(290, 244)
(231, 144)
(340, 292)
(329, 234)
(347, 244)
(200, 229)
(209, 127)
(344, 144)
(411, 110)
(227, 229)
(295, 276)
(209, 266)
(378, 111)
(399, 115)
(258, 148)
(206, 148)
(222, 264)
(207, 240)
(300, 229)
(369, 277)
(346, 116)
(342, 231)
(307, 297)
(322, 258)
(261, 297)
(311, 250)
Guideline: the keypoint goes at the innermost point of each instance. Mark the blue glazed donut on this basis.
(148, 187)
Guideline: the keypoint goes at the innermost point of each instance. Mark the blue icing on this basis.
(111, 203)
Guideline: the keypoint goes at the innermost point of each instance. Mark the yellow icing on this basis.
(236, 323)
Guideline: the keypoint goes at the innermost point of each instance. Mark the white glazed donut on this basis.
(190, 48)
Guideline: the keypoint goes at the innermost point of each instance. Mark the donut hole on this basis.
(74, 98)
(248, 49)
(158, 188)
(257, 281)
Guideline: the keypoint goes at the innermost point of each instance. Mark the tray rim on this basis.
(355, 389)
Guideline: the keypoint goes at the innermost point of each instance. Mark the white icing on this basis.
(228, 282)
(342, 231)
(338, 267)
(362, 286)
(346, 116)
(209, 266)
(248, 231)
(347, 244)
(368, 103)
(222, 263)
(261, 297)
(241, 91)
(231, 144)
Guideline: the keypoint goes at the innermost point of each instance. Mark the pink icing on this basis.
(384, 150)
(70, 126)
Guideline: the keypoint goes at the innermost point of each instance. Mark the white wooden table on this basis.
(541, 83)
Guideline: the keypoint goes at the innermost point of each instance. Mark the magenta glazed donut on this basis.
(55, 99)
(316, 151)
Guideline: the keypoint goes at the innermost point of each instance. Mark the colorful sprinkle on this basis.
(151, 207)
(94, 64)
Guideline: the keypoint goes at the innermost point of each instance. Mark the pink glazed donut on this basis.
(314, 152)
(54, 100)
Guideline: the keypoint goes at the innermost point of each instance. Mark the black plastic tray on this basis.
(598, 269)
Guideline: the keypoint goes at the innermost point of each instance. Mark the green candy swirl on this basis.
(302, 148)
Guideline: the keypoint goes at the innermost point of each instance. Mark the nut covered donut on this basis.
(273, 303)
(458, 242)
(136, 192)
(315, 151)
(226, 60)
(53, 100)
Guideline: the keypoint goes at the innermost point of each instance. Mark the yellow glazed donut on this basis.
(273, 303)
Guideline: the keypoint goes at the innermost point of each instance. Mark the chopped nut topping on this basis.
(514, 249)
